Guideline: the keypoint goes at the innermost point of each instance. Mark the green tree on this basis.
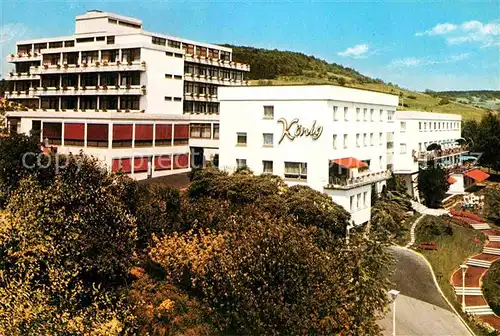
(492, 204)
(66, 248)
(432, 184)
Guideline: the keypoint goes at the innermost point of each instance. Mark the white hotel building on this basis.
(141, 102)
(337, 140)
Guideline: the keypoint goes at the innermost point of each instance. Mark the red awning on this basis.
(163, 131)
(122, 132)
(140, 164)
(180, 161)
(163, 162)
(451, 180)
(477, 175)
(143, 132)
(181, 131)
(350, 162)
(74, 131)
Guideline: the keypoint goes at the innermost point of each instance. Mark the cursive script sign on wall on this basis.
(293, 130)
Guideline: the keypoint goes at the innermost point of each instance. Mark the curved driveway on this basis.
(420, 308)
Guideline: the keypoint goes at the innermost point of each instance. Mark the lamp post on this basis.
(464, 270)
(394, 295)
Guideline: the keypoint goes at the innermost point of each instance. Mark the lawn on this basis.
(453, 250)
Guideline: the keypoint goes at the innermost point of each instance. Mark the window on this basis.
(352, 202)
(334, 143)
(241, 163)
(241, 139)
(346, 113)
(216, 131)
(158, 40)
(358, 140)
(358, 114)
(296, 170)
(380, 140)
(425, 126)
(380, 162)
(268, 112)
(84, 39)
(268, 139)
(403, 148)
(365, 198)
(177, 98)
(359, 202)
(174, 44)
(168, 53)
(365, 114)
(346, 138)
(371, 139)
(335, 109)
(110, 40)
(112, 21)
(177, 77)
(365, 139)
(372, 114)
(127, 24)
(267, 167)
(69, 43)
(200, 131)
(168, 98)
(55, 45)
(390, 115)
(403, 126)
(420, 126)
(100, 38)
(381, 115)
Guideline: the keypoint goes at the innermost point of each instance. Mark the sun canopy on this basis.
(467, 157)
(451, 180)
(477, 175)
(350, 162)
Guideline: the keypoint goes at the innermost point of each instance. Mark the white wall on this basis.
(242, 110)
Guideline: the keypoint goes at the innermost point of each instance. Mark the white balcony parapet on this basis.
(200, 97)
(22, 76)
(92, 90)
(217, 62)
(91, 67)
(214, 80)
(22, 94)
(363, 179)
(436, 154)
(27, 57)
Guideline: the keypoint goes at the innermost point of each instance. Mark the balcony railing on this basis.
(24, 57)
(91, 90)
(21, 94)
(337, 182)
(200, 97)
(21, 76)
(459, 169)
(214, 80)
(440, 153)
(217, 62)
(89, 67)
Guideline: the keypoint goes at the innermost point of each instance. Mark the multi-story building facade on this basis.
(414, 133)
(330, 138)
(142, 102)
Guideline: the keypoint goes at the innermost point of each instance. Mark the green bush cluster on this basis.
(491, 287)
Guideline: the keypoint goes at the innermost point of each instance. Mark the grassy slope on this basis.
(275, 67)
(452, 251)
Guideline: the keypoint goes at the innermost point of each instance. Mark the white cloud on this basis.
(412, 62)
(11, 31)
(358, 51)
(484, 34)
(439, 29)
(9, 34)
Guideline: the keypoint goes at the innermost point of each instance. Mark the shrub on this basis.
(432, 227)
(271, 277)
(491, 287)
(433, 184)
(492, 204)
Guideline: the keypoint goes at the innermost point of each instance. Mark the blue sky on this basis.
(440, 45)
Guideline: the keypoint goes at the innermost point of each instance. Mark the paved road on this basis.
(420, 308)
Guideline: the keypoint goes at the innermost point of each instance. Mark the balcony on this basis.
(214, 80)
(205, 97)
(216, 62)
(345, 183)
(91, 90)
(24, 57)
(24, 94)
(22, 76)
(440, 153)
(92, 67)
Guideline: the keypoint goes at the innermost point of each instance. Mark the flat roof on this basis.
(421, 115)
(299, 92)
